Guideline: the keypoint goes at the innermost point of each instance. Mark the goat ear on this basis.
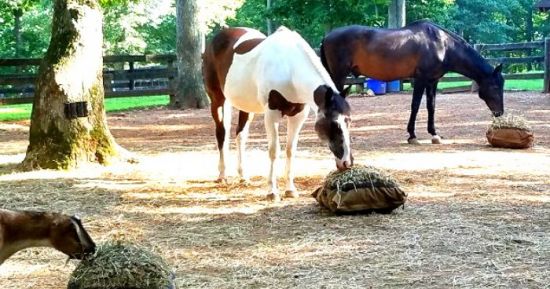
(83, 236)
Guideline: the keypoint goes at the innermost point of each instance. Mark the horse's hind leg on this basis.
(294, 126)
(221, 113)
(271, 119)
(245, 119)
(415, 105)
(430, 105)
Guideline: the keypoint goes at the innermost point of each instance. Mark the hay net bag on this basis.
(510, 131)
(360, 189)
(117, 265)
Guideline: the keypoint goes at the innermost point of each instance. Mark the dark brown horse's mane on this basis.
(455, 36)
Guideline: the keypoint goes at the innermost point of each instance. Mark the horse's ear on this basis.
(498, 69)
(346, 91)
(322, 95)
(328, 94)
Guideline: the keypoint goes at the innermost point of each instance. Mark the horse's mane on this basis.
(312, 57)
(469, 49)
(453, 35)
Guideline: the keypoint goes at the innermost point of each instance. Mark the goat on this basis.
(24, 229)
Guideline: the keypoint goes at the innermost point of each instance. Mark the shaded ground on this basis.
(476, 217)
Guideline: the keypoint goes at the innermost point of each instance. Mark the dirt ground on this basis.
(477, 216)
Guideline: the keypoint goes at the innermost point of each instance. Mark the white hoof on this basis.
(436, 139)
(413, 141)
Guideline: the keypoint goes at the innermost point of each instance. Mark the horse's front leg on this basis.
(430, 105)
(243, 127)
(415, 105)
(294, 126)
(271, 119)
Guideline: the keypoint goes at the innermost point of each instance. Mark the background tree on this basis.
(189, 45)
(396, 14)
(63, 134)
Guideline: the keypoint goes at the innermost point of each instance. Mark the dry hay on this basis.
(360, 189)
(118, 265)
(476, 217)
(511, 120)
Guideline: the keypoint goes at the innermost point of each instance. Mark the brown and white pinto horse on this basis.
(279, 76)
(421, 50)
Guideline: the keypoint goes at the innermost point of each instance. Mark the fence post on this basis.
(547, 65)
(108, 83)
(171, 79)
(131, 83)
(475, 87)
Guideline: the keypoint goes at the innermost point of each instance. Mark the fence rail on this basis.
(122, 76)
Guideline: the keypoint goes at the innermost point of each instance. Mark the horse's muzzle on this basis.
(497, 113)
(344, 165)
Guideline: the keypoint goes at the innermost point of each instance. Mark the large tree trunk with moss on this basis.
(68, 122)
(189, 45)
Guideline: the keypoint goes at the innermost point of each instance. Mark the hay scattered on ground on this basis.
(476, 217)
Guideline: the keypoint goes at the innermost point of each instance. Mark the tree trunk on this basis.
(68, 122)
(529, 33)
(268, 19)
(17, 14)
(396, 14)
(189, 85)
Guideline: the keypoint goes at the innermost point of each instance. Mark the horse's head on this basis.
(491, 90)
(332, 124)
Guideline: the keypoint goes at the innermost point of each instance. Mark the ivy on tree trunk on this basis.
(71, 71)
(190, 91)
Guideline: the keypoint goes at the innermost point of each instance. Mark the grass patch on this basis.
(510, 84)
(15, 112)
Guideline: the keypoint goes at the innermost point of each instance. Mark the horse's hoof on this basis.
(221, 180)
(291, 194)
(244, 181)
(436, 139)
(273, 197)
(413, 141)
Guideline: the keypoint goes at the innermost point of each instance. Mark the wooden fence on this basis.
(141, 75)
(123, 76)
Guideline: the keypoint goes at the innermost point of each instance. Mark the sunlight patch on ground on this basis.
(197, 210)
(426, 194)
(12, 268)
(13, 126)
(531, 198)
(10, 109)
(483, 162)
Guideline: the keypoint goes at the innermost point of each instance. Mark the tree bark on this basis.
(71, 72)
(17, 14)
(189, 85)
(268, 19)
(396, 14)
(529, 33)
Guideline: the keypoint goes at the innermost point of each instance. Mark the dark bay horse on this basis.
(421, 50)
(277, 76)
